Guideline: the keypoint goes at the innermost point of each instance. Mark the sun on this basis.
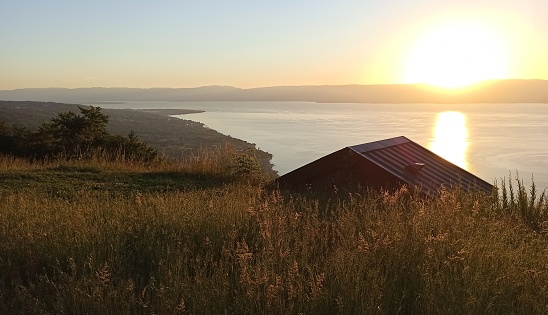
(457, 54)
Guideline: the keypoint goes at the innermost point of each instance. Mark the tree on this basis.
(14, 140)
(71, 133)
(5, 138)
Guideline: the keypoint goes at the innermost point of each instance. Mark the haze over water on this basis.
(489, 140)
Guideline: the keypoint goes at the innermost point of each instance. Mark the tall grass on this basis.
(241, 249)
(529, 205)
(223, 161)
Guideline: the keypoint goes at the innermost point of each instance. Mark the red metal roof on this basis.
(393, 160)
(395, 154)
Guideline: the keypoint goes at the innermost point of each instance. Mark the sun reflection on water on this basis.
(450, 138)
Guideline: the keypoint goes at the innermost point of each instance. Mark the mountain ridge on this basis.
(495, 91)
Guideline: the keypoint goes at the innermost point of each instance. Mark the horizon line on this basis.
(273, 86)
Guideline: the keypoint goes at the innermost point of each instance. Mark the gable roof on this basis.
(393, 161)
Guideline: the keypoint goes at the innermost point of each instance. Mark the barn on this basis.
(388, 163)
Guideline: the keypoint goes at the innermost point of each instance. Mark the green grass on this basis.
(67, 180)
(202, 238)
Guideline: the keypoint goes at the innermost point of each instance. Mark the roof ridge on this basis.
(380, 144)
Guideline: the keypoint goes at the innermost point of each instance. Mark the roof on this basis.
(387, 162)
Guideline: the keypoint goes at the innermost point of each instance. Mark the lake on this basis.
(489, 140)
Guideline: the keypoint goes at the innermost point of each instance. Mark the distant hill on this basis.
(499, 91)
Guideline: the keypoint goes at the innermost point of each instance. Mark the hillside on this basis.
(113, 238)
(498, 91)
(173, 137)
(105, 236)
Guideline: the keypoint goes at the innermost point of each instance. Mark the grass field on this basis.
(204, 236)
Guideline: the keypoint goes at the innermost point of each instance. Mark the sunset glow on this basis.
(456, 55)
(254, 44)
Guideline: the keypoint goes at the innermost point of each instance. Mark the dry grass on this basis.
(241, 249)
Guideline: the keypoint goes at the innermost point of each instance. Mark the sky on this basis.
(256, 43)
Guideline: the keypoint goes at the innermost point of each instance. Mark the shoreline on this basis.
(170, 111)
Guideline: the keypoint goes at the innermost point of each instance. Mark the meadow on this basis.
(207, 235)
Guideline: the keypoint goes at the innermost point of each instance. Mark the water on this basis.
(489, 140)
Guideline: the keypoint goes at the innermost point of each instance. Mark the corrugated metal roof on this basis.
(395, 155)
(392, 160)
